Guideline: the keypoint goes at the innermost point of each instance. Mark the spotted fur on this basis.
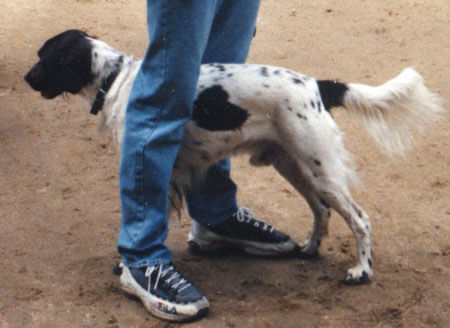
(280, 117)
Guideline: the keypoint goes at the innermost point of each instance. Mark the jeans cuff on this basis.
(146, 263)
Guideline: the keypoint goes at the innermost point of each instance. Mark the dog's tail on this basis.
(391, 112)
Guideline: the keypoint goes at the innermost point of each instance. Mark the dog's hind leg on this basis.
(321, 210)
(321, 193)
(358, 221)
(320, 156)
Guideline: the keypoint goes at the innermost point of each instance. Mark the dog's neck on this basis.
(107, 64)
(97, 105)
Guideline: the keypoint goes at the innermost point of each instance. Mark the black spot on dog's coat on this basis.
(358, 212)
(319, 106)
(264, 71)
(302, 117)
(297, 81)
(213, 111)
(332, 93)
(221, 68)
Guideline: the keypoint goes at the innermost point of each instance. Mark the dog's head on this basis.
(64, 65)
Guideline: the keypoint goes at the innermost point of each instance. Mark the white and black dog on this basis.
(278, 116)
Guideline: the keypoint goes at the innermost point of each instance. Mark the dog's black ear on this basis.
(76, 65)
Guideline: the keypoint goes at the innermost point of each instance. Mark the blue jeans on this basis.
(184, 34)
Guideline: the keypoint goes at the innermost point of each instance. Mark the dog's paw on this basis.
(358, 276)
(306, 250)
(118, 268)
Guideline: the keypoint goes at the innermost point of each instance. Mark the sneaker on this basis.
(164, 292)
(242, 231)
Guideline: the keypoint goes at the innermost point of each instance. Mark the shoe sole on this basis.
(199, 246)
(160, 308)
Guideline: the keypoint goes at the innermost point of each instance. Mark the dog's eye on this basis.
(45, 65)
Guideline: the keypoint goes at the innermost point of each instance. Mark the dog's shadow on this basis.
(227, 278)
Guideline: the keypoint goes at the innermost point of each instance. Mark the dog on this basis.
(280, 117)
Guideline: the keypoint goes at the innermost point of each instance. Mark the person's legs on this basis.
(212, 204)
(214, 199)
(160, 104)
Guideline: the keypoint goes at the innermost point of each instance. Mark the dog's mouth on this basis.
(42, 83)
(49, 94)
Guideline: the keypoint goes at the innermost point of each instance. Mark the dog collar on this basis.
(106, 85)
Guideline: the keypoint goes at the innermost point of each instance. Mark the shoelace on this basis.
(183, 283)
(245, 215)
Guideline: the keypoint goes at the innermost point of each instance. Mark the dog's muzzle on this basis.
(36, 79)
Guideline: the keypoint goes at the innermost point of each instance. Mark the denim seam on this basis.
(140, 173)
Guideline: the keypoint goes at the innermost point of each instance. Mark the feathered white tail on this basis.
(394, 111)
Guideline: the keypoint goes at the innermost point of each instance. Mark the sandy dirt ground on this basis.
(59, 206)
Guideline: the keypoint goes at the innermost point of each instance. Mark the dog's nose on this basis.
(30, 79)
(27, 77)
